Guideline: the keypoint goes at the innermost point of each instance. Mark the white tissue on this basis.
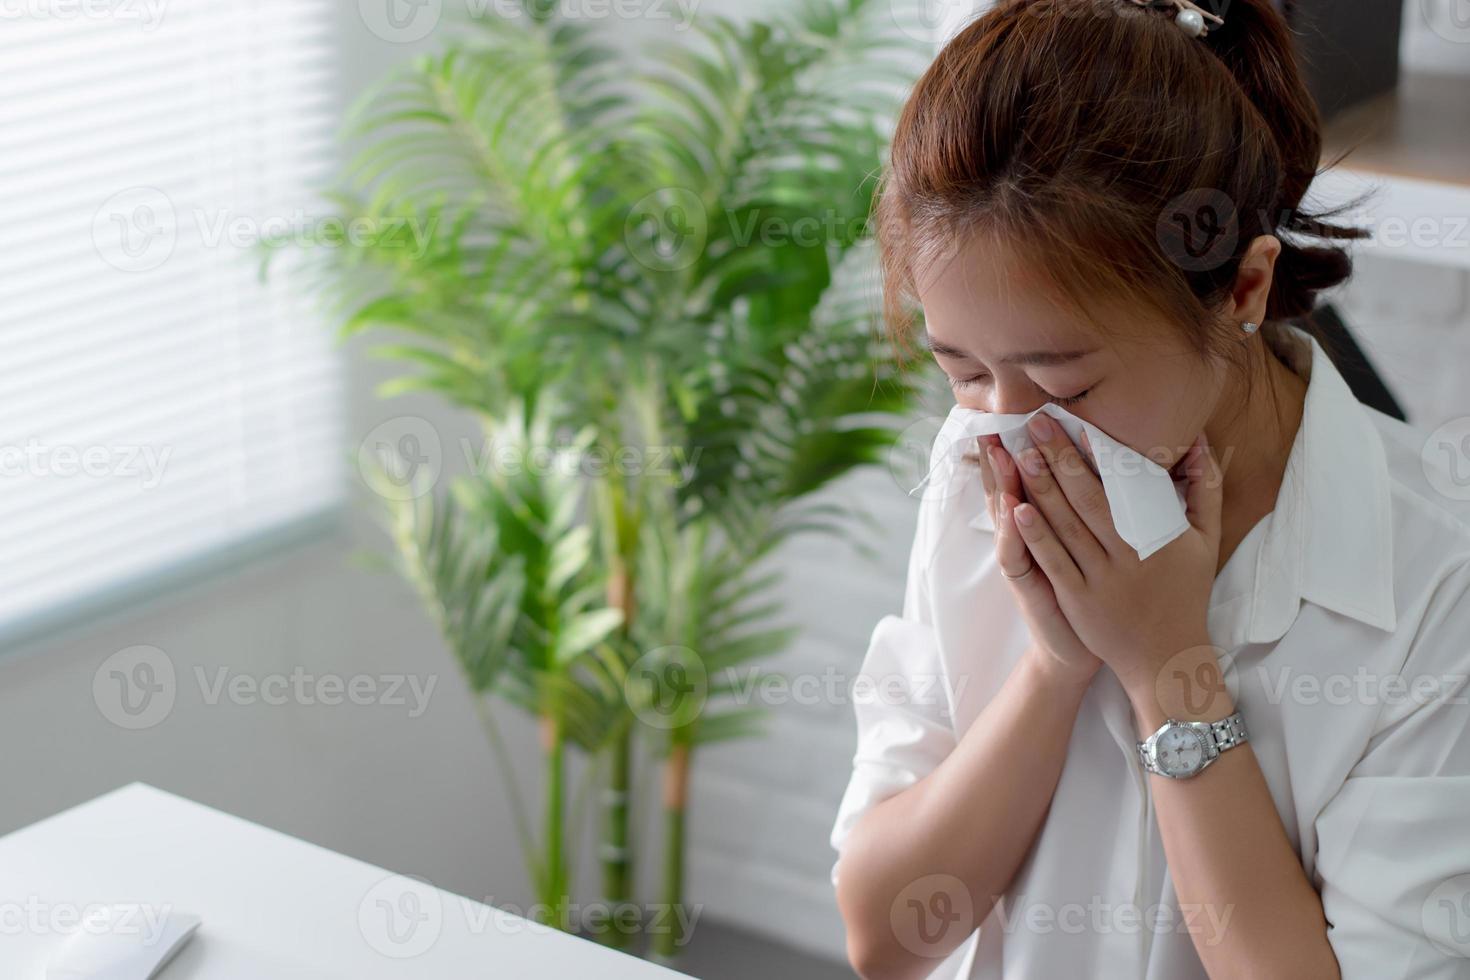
(1148, 507)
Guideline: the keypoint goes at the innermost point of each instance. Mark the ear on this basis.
(1253, 282)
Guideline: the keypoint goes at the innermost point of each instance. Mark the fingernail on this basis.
(998, 460)
(1042, 427)
(1025, 515)
(1031, 459)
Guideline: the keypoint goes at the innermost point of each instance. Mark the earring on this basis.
(1250, 327)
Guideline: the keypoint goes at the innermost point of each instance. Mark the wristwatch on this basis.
(1181, 749)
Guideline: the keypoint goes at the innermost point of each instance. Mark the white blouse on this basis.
(1346, 629)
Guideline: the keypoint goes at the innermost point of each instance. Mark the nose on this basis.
(1014, 398)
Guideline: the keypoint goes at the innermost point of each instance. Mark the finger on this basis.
(1080, 485)
(1046, 547)
(1204, 496)
(987, 477)
(1043, 491)
(1010, 549)
(1087, 453)
(1007, 476)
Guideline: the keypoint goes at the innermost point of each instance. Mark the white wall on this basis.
(422, 795)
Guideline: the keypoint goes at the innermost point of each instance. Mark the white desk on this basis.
(274, 908)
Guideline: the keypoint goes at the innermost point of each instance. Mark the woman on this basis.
(1098, 203)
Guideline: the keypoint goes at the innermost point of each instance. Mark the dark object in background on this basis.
(1349, 54)
(1365, 382)
(1349, 50)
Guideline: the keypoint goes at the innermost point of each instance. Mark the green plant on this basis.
(667, 265)
(505, 568)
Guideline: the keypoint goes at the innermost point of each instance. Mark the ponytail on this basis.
(1256, 45)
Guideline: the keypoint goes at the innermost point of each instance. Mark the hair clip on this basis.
(1192, 19)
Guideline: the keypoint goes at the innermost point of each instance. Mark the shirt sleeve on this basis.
(901, 700)
(1393, 845)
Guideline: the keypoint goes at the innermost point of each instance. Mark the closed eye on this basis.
(962, 384)
(959, 384)
(1070, 399)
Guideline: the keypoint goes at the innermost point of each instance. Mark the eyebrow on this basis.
(1036, 358)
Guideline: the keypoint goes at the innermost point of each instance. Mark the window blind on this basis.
(160, 402)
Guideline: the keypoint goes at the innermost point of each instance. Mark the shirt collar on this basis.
(1329, 539)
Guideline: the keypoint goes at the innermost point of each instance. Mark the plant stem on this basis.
(616, 855)
(669, 940)
(554, 876)
(512, 787)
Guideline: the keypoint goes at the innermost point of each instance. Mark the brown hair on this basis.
(1118, 156)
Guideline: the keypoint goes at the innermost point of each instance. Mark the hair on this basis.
(1119, 157)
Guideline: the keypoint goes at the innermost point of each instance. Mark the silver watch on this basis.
(1181, 749)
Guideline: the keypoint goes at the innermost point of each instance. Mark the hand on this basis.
(1056, 642)
(1134, 615)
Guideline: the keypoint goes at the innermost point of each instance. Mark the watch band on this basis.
(1217, 736)
(1227, 733)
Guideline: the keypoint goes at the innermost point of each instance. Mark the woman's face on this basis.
(1007, 349)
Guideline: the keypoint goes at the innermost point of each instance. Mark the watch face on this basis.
(1180, 751)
